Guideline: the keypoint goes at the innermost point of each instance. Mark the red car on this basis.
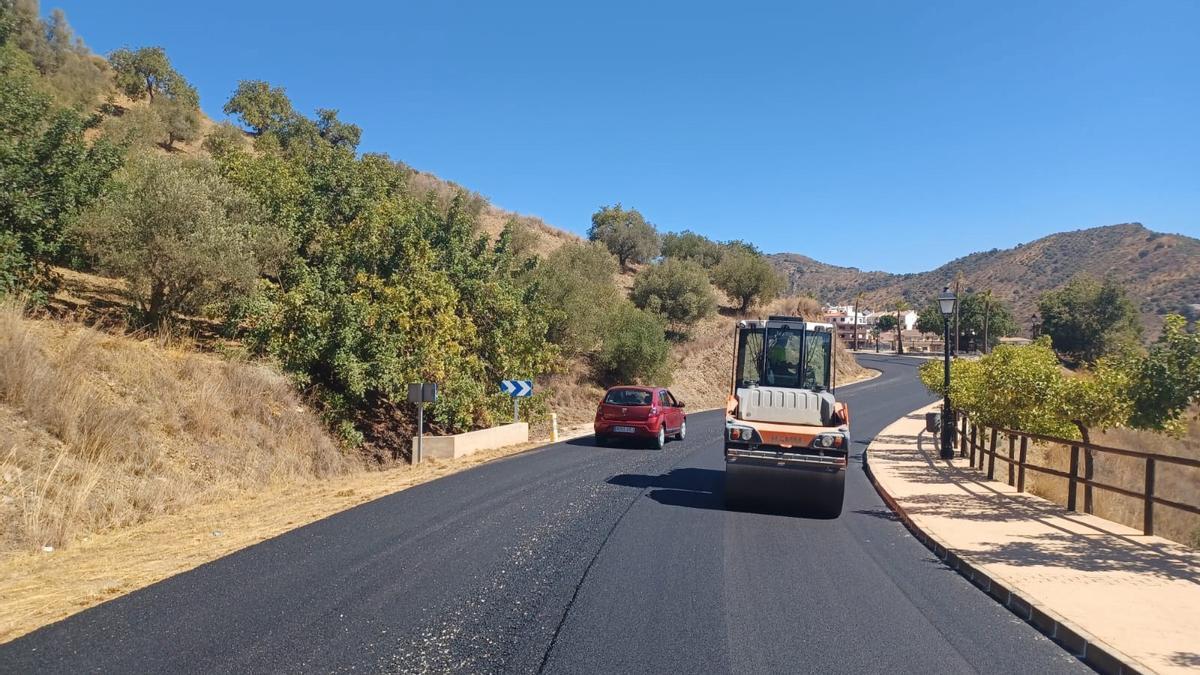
(640, 412)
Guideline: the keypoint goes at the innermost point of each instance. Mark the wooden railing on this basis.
(978, 442)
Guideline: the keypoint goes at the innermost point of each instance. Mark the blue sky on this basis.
(884, 135)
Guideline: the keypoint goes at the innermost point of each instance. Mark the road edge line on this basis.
(1073, 639)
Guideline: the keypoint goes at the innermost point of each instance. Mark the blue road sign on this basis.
(517, 388)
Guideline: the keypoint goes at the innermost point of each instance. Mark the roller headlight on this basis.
(828, 441)
(739, 433)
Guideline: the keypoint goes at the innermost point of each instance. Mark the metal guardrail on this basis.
(981, 443)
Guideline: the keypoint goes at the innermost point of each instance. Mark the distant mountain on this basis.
(1160, 271)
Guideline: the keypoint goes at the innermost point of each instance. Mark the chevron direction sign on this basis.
(517, 388)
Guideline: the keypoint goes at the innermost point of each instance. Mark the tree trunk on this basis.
(899, 336)
(156, 308)
(1089, 467)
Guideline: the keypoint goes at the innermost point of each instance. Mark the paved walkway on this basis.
(1119, 599)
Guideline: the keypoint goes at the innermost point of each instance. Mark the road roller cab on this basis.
(786, 435)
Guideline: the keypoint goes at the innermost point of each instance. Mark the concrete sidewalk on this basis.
(1121, 600)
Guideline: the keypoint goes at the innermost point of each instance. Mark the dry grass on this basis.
(104, 432)
(39, 588)
(1173, 482)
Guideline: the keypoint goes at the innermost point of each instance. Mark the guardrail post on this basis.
(1072, 481)
(1089, 471)
(974, 440)
(992, 455)
(1148, 509)
(1012, 448)
(962, 438)
(1021, 464)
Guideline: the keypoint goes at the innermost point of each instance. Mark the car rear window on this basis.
(628, 397)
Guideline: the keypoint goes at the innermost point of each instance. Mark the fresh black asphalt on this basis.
(572, 558)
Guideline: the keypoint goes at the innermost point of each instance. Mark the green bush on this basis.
(1087, 319)
(1016, 387)
(1026, 388)
(1167, 380)
(688, 245)
(575, 283)
(634, 349)
(48, 173)
(135, 128)
(384, 288)
(676, 290)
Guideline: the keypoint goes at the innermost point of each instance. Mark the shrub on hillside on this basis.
(223, 138)
(181, 235)
(626, 234)
(688, 245)
(747, 277)
(676, 290)
(48, 173)
(137, 127)
(575, 282)
(634, 349)
(70, 73)
(385, 288)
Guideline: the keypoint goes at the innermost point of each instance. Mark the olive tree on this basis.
(145, 73)
(260, 106)
(688, 245)
(626, 234)
(747, 277)
(181, 235)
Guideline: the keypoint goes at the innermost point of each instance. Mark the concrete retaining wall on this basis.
(461, 445)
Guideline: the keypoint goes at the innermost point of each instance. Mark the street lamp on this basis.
(946, 303)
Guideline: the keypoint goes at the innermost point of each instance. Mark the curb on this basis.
(1075, 640)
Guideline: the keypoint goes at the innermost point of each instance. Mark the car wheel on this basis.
(660, 440)
(601, 440)
(682, 430)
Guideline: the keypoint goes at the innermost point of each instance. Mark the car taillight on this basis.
(653, 410)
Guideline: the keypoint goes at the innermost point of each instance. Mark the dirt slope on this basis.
(100, 431)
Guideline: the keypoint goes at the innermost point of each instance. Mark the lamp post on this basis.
(947, 303)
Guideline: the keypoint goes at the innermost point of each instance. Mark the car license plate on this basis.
(623, 430)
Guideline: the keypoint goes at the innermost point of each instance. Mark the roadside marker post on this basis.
(421, 393)
(517, 389)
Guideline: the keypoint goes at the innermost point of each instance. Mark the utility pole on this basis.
(958, 278)
(987, 311)
(857, 298)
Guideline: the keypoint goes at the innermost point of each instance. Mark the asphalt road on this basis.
(572, 558)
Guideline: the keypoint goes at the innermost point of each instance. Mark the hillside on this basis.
(1161, 271)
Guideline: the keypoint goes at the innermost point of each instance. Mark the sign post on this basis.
(517, 389)
(421, 393)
